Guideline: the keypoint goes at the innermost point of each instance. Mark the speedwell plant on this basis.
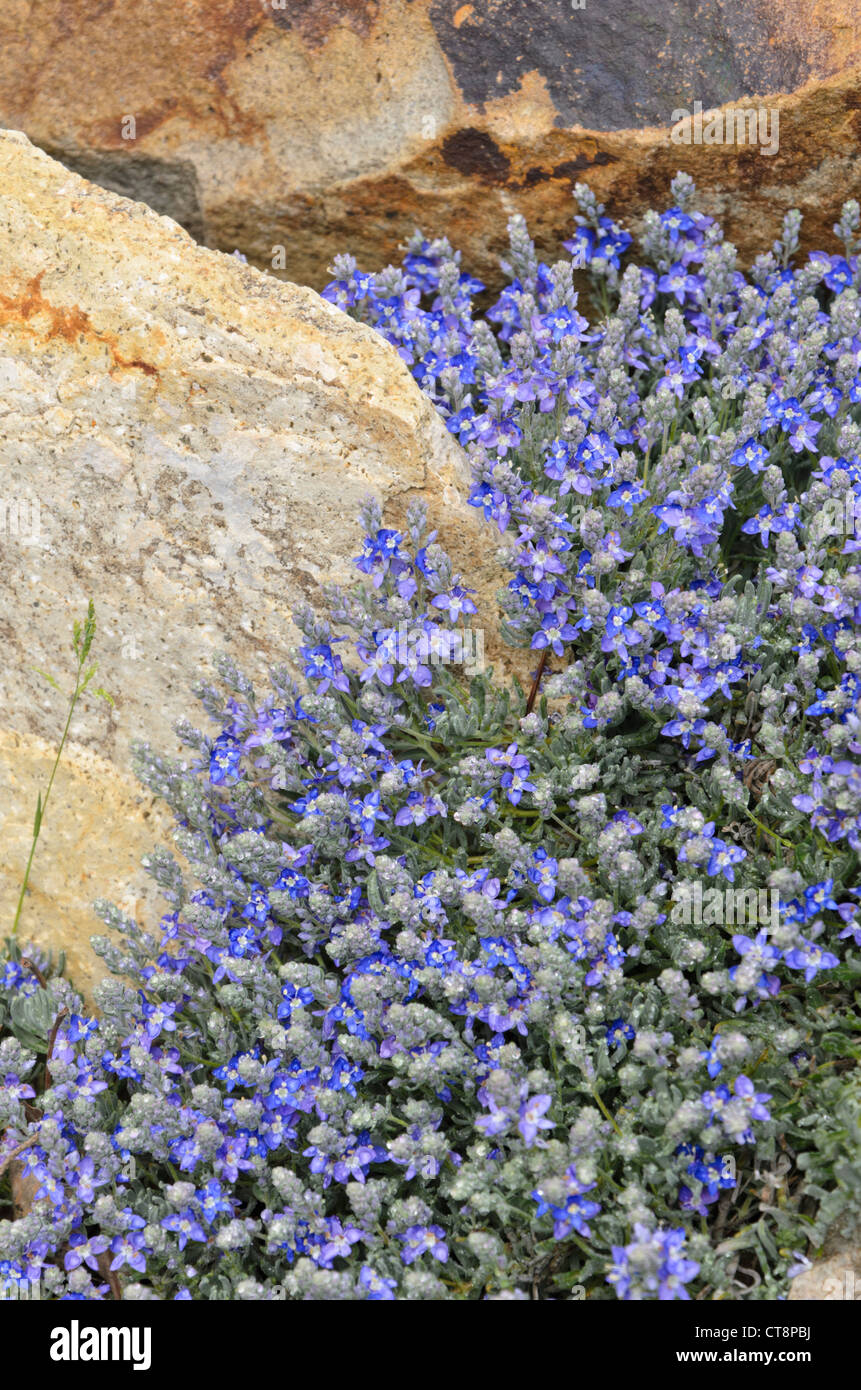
(423, 1019)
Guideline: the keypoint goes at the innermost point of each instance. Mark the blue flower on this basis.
(543, 873)
(715, 1174)
(457, 603)
(627, 495)
(618, 1032)
(722, 859)
(184, 1224)
(652, 1264)
(131, 1250)
(810, 958)
(323, 665)
(532, 1119)
(751, 455)
(224, 761)
(420, 1240)
(554, 631)
(374, 1287)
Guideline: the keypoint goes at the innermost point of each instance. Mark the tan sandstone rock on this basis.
(97, 828)
(307, 127)
(836, 1277)
(187, 441)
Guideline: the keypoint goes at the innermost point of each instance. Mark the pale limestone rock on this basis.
(98, 826)
(187, 441)
(834, 1278)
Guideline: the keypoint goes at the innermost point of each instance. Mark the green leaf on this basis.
(46, 677)
(766, 1240)
(37, 819)
(32, 1019)
(375, 897)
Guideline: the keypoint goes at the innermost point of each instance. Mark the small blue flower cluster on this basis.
(419, 1022)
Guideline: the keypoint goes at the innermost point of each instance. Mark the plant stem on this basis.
(43, 804)
(32, 966)
(537, 681)
(604, 1111)
(787, 843)
(83, 640)
(53, 1038)
(16, 1151)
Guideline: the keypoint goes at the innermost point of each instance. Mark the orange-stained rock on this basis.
(318, 126)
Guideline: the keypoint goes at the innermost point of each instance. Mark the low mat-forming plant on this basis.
(435, 1013)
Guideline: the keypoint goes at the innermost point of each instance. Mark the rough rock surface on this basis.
(98, 826)
(187, 441)
(835, 1277)
(321, 125)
